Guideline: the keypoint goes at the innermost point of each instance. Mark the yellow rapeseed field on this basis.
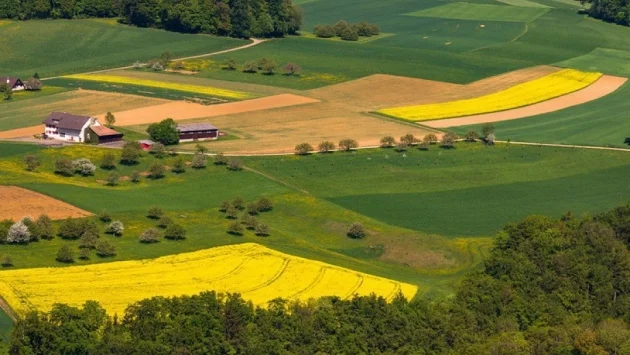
(550, 86)
(260, 274)
(198, 89)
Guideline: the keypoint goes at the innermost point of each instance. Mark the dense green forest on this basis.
(548, 287)
(236, 18)
(617, 11)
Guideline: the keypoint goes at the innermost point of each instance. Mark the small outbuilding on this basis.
(102, 135)
(197, 131)
(146, 144)
(14, 83)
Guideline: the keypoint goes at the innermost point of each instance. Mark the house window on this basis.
(62, 135)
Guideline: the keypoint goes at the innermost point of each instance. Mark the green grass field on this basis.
(70, 46)
(481, 12)
(5, 327)
(604, 60)
(602, 122)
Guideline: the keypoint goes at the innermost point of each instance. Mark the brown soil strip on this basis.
(22, 132)
(25, 202)
(185, 110)
(602, 87)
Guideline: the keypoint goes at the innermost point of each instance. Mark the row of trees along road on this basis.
(236, 18)
(549, 286)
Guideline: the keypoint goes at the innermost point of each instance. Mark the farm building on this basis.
(68, 127)
(146, 144)
(102, 135)
(14, 83)
(197, 131)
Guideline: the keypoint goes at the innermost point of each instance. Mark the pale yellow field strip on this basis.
(260, 274)
(185, 110)
(602, 87)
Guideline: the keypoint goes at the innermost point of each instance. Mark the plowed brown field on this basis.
(21, 202)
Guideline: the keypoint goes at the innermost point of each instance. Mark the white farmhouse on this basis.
(14, 83)
(68, 127)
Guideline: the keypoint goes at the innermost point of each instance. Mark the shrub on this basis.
(135, 177)
(6, 261)
(401, 147)
(231, 213)
(32, 162)
(249, 221)
(179, 166)
(164, 132)
(164, 222)
(364, 29)
(350, 34)
(252, 208)
(88, 241)
(250, 67)
(408, 138)
(374, 29)
(348, 144)
(157, 170)
(116, 228)
(487, 129)
(43, 228)
(19, 233)
(175, 232)
(112, 179)
(428, 140)
(157, 66)
(388, 142)
(291, 69)
(105, 249)
(230, 64)
(235, 165)
(303, 149)
(326, 147)
(448, 140)
(158, 150)
(64, 167)
(76, 228)
(220, 159)
(235, 228)
(356, 231)
(200, 148)
(104, 216)
(269, 67)
(131, 153)
(490, 138)
(340, 26)
(324, 31)
(199, 161)
(264, 204)
(238, 203)
(471, 136)
(108, 161)
(155, 212)
(149, 236)
(83, 167)
(262, 230)
(4, 229)
(225, 205)
(65, 255)
(84, 254)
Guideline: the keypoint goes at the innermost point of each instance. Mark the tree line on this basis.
(236, 18)
(610, 11)
(549, 286)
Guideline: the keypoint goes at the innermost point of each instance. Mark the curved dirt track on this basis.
(605, 85)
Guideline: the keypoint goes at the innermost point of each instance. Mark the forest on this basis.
(550, 286)
(617, 11)
(235, 18)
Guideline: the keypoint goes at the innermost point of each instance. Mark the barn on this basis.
(146, 144)
(197, 131)
(102, 135)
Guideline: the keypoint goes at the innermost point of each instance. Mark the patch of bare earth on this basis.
(30, 203)
(602, 87)
(22, 132)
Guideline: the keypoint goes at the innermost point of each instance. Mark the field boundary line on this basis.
(272, 178)
(255, 42)
(399, 120)
(559, 145)
(502, 44)
(8, 310)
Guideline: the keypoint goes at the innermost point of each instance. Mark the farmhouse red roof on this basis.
(103, 131)
(66, 120)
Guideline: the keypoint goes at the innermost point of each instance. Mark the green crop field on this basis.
(5, 326)
(602, 122)
(481, 12)
(604, 60)
(71, 46)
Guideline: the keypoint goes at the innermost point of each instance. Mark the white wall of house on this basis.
(68, 134)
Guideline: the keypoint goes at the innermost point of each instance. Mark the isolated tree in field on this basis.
(250, 67)
(230, 64)
(164, 132)
(231, 213)
(84, 167)
(235, 165)
(199, 148)
(199, 161)
(356, 231)
(250, 222)
(238, 203)
(88, 241)
(490, 138)
(112, 179)
(235, 228)
(64, 167)
(448, 140)
(105, 249)
(220, 159)
(30, 224)
(116, 228)
(408, 139)
(33, 84)
(84, 254)
(269, 67)
(6, 261)
(19, 233)
(7, 92)
(158, 150)
(43, 228)
(155, 212)
(326, 147)
(134, 177)
(32, 162)
(252, 208)
(350, 33)
(36, 76)
(401, 146)
(264, 204)
(157, 170)
(164, 222)
(261, 230)
(65, 255)
(175, 232)
(179, 166)
(149, 236)
(348, 144)
(131, 153)
(487, 129)
(324, 31)
(291, 69)
(388, 142)
(224, 206)
(471, 136)
(108, 161)
(430, 138)
(303, 149)
(340, 26)
(165, 58)
(104, 216)
(110, 119)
